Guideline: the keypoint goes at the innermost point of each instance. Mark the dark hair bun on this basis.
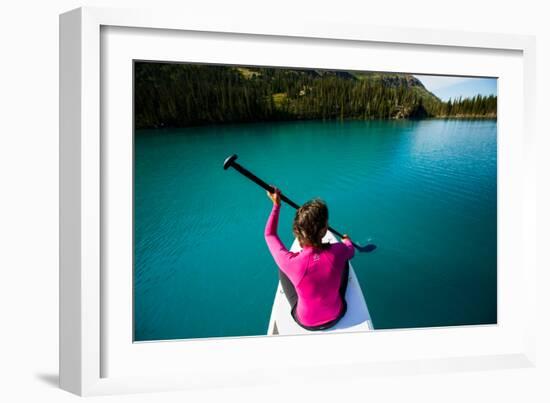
(310, 222)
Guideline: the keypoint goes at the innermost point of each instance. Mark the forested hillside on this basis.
(179, 95)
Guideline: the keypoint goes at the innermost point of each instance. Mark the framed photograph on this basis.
(244, 204)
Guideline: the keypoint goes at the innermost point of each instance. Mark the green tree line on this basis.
(478, 106)
(180, 95)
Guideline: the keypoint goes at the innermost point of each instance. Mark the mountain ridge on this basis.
(179, 95)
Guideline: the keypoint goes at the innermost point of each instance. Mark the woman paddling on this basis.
(315, 279)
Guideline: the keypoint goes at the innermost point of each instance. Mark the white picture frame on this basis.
(91, 343)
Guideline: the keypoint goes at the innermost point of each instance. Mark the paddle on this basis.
(230, 162)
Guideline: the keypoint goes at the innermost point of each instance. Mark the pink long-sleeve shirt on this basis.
(315, 274)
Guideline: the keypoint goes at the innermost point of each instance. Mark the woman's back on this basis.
(319, 299)
(316, 274)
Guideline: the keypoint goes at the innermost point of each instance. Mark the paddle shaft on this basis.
(270, 189)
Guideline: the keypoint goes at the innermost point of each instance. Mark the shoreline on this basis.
(444, 117)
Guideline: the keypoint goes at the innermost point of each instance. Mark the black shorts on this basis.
(292, 297)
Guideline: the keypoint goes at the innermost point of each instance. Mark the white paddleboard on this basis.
(356, 319)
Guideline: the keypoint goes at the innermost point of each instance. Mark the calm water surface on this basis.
(423, 191)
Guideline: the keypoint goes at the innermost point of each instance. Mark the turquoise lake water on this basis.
(425, 192)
